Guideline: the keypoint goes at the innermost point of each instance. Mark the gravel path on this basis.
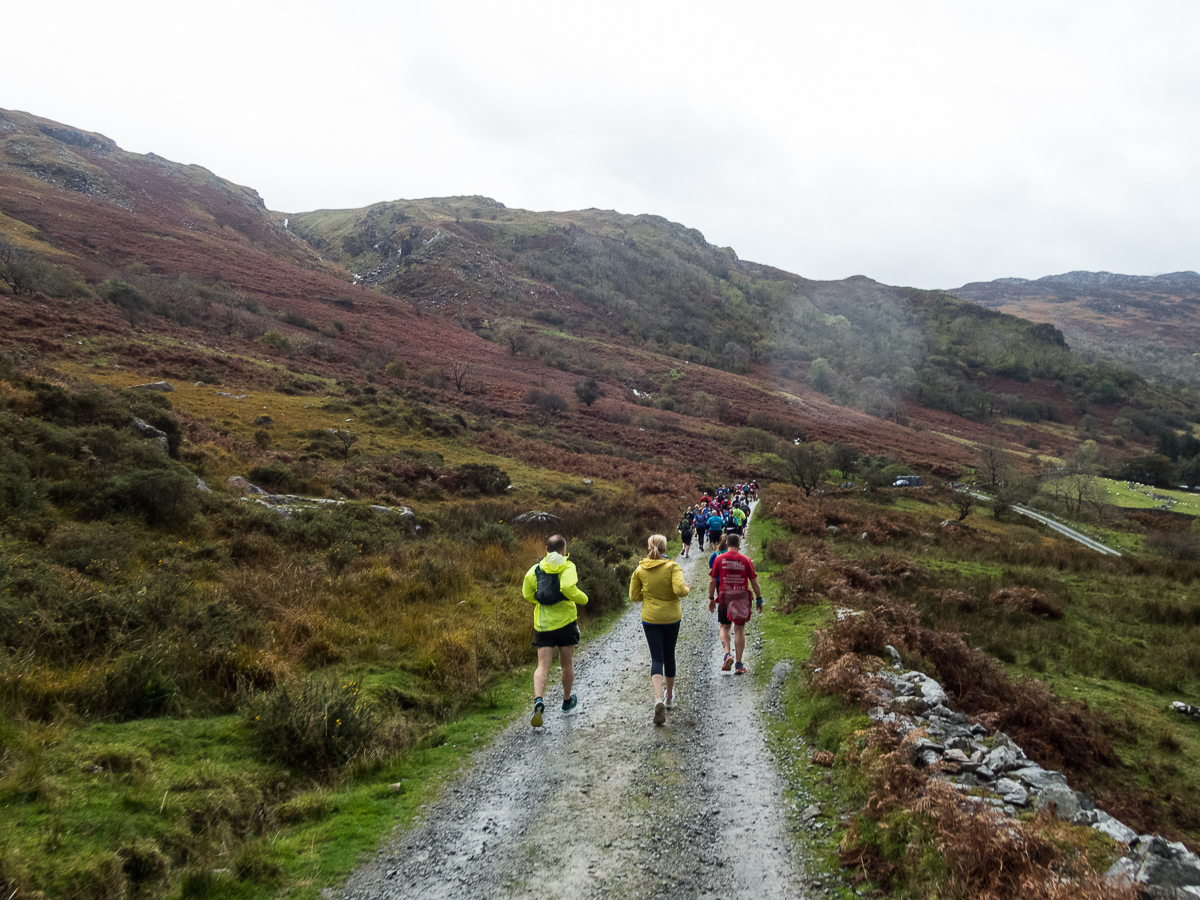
(603, 803)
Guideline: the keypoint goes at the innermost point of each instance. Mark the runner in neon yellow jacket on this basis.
(552, 587)
(563, 613)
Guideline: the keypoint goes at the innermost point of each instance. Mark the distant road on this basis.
(1057, 526)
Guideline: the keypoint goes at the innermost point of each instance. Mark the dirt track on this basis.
(603, 803)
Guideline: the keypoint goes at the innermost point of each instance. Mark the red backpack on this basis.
(737, 606)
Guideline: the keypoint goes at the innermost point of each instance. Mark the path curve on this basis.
(603, 803)
(1064, 530)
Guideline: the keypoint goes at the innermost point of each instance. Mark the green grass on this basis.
(809, 722)
(1120, 494)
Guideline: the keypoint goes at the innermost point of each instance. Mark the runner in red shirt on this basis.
(735, 576)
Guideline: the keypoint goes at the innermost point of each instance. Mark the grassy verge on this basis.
(1111, 639)
(807, 724)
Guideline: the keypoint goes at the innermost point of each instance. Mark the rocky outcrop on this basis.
(997, 774)
(286, 504)
(163, 387)
(147, 430)
(1158, 869)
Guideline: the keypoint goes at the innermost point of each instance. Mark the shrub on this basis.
(276, 341)
(606, 583)
(485, 478)
(494, 533)
(316, 725)
(158, 496)
(278, 476)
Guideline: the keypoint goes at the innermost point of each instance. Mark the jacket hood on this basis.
(649, 563)
(554, 562)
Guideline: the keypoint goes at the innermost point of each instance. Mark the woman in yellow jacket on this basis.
(657, 584)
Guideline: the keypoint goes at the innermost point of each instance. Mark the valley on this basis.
(171, 650)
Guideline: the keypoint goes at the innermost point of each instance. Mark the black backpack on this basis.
(548, 592)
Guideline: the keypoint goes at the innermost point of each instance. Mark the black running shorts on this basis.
(567, 636)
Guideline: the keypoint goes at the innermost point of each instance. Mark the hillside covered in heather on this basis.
(260, 469)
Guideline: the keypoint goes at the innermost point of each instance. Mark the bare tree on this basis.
(18, 268)
(804, 464)
(347, 439)
(513, 336)
(844, 458)
(962, 501)
(460, 370)
(992, 459)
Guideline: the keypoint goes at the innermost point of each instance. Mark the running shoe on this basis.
(739, 669)
(660, 713)
(568, 706)
(669, 699)
(538, 708)
(728, 663)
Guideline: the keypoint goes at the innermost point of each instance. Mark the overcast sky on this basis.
(925, 144)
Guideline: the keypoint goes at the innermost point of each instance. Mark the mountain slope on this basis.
(1150, 324)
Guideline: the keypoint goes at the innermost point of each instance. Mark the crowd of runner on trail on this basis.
(725, 511)
(657, 583)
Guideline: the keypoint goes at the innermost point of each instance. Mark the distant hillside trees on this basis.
(588, 391)
(820, 376)
(19, 268)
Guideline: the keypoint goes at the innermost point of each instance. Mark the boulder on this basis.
(163, 387)
(240, 485)
(264, 420)
(1067, 805)
(1115, 829)
(1002, 759)
(1038, 779)
(1159, 869)
(147, 430)
(931, 691)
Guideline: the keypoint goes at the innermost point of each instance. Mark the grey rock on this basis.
(1006, 786)
(202, 487)
(1067, 805)
(1001, 759)
(932, 692)
(146, 430)
(893, 654)
(1038, 779)
(163, 387)
(1159, 868)
(1019, 797)
(264, 420)
(1118, 831)
(536, 517)
(240, 485)
(913, 705)
(983, 773)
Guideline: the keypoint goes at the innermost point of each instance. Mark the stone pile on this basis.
(1000, 776)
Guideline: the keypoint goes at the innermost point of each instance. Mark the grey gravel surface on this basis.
(604, 803)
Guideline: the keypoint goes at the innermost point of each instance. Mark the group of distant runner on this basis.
(724, 513)
(658, 584)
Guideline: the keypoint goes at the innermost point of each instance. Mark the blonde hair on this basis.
(658, 546)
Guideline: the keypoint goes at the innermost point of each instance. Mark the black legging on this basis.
(661, 639)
